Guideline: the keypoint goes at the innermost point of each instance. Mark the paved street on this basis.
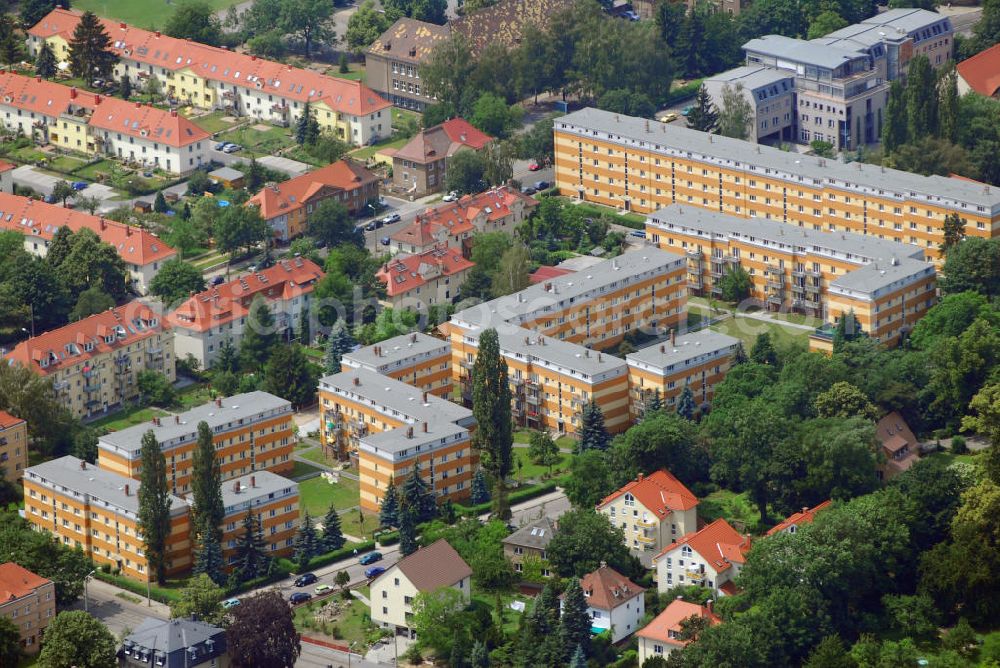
(116, 607)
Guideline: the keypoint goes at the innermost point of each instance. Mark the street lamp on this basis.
(86, 599)
(350, 649)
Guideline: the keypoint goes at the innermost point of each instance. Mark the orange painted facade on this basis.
(415, 359)
(273, 500)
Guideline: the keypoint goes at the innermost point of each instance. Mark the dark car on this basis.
(386, 241)
(541, 185)
(370, 558)
(528, 190)
(80, 185)
(374, 225)
(299, 597)
(217, 280)
(374, 572)
(305, 579)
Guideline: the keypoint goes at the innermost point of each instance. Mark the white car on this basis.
(450, 197)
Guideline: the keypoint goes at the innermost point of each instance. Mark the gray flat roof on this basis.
(396, 396)
(801, 51)
(536, 299)
(264, 483)
(538, 348)
(397, 348)
(185, 425)
(873, 277)
(862, 248)
(669, 137)
(227, 173)
(752, 76)
(907, 19)
(396, 439)
(685, 348)
(98, 483)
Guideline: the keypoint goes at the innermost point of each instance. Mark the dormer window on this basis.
(629, 500)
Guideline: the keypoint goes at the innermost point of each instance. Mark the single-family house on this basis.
(711, 557)
(663, 635)
(792, 523)
(900, 447)
(613, 602)
(530, 543)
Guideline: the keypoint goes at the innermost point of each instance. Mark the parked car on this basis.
(385, 241)
(217, 280)
(230, 603)
(668, 118)
(687, 110)
(528, 190)
(299, 597)
(374, 572)
(533, 166)
(373, 225)
(541, 185)
(322, 589)
(305, 579)
(80, 185)
(221, 145)
(232, 148)
(370, 558)
(638, 233)
(392, 218)
(631, 15)
(450, 197)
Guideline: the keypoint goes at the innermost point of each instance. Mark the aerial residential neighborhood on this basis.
(500, 333)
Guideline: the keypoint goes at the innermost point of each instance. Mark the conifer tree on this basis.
(228, 359)
(305, 333)
(154, 506)
(593, 435)
(685, 404)
(491, 407)
(45, 64)
(306, 542)
(259, 337)
(251, 555)
(125, 87)
(333, 536)
(763, 351)
(575, 621)
(655, 402)
(740, 356)
(160, 203)
(307, 127)
(339, 342)
(407, 532)
(579, 659)
(703, 115)
(388, 515)
(90, 54)
(417, 496)
(208, 559)
(480, 491)
(480, 656)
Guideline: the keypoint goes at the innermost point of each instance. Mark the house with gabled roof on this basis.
(653, 511)
(427, 570)
(420, 167)
(792, 523)
(662, 635)
(426, 279)
(900, 447)
(530, 542)
(711, 557)
(614, 602)
(175, 643)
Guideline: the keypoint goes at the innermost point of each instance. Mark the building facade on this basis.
(652, 511)
(698, 361)
(430, 278)
(643, 166)
(215, 318)
(14, 445)
(96, 510)
(252, 432)
(94, 363)
(241, 84)
(711, 557)
(614, 603)
(29, 603)
(529, 543)
(771, 94)
(392, 62)
(142, 251)
(286, 206)
(886, 285)
(272, 500)
(415, 359)
(663, 635)
(420, 167)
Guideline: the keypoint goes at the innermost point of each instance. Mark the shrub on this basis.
(959, 446)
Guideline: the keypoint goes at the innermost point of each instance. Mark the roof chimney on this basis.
(409, 432)
(177, 419)
(639, 479)
(236, 486)
(218, 402)
(138, 105)
(157, 33)
(72, 92)
(173, 113)
(104, 224)
(663, 348)
(357, 381)
(425, 401)
(38, 79)
(128, 230)
(127, 493)
(122, 26)
(97, 99)
(673, 337)
(83, 465)
(253, 481)
(708, 604)
(156, 421)
(425, 427)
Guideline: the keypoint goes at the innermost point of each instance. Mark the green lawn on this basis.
(530, 470)
(730, 506)
(259, 142)
(363, 154)
(194, 395)
(356, 73)
(95, 171)
(351, 524)
(301, 468)
(212, 122)
(127, 418)
(316, 495)
(315, 454)
(629, 219)
(350, 626)
(747, 329)
(141, 14)
(66, 163)
(27, 154)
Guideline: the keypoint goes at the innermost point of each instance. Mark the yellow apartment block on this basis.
(640, 165)
(389, 425)
(887, 285)
(29, 603)
(14, 445)
(699, 360)
(415, 359)
(273, 500)
(98, 512)
(252, 432)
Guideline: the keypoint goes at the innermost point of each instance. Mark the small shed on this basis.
(227, 177)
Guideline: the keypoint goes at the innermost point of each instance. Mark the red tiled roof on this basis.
(607, 589)
(670, 620)
(134, 245)
(6, 166)
(67, 345)
(17, 581)
(217, 64)
(659, 492)
(38, 95)
(403, 274)
(546, 273)
(455, 218)
(224, 303)
(718, 543)
(343, 175)
(443, 140)
(982, 71)
(729, 588)
(797, 519)
(7, 420)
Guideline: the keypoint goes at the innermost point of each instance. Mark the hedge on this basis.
(684, 92)
(515, 497)
(159, 594)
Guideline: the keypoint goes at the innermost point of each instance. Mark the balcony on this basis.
(693, 253)
(466, 364)
(775, 284)
(645, 540)
(533, 399)
(695, 575)
(647, 523)
(92, 387)
(774, 299)
(61, 385)
(812, 288)
(798, 288)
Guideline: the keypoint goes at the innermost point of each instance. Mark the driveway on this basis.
(27, 176)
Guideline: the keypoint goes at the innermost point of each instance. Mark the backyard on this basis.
(746, 329)
(149, 15)
(316, 495)
(734, 508)
(337, 619)
(259, 139)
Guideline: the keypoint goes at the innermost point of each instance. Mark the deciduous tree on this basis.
(202, 597)
(195, 20)
(154, 506)
(585, 539)
(735, 113)
(262, 633)
(491, 407)
(175, 281)
(75, 638)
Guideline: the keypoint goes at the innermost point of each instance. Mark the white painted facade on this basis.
(392, 597)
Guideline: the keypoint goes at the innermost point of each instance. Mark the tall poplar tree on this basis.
(154, 505)
(206, 485)
(491, 407)
(894, 130)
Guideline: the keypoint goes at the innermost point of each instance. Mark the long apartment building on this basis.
(887, 285)
(142, 251)
(391, 426)
(217, 316)
(98, 511)
(548, 330)
(272, 500)
(699, 361)
(415, 359)
(252, 432)
(641, 165)
(210, 77)
(94, 363)
(97, 125)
